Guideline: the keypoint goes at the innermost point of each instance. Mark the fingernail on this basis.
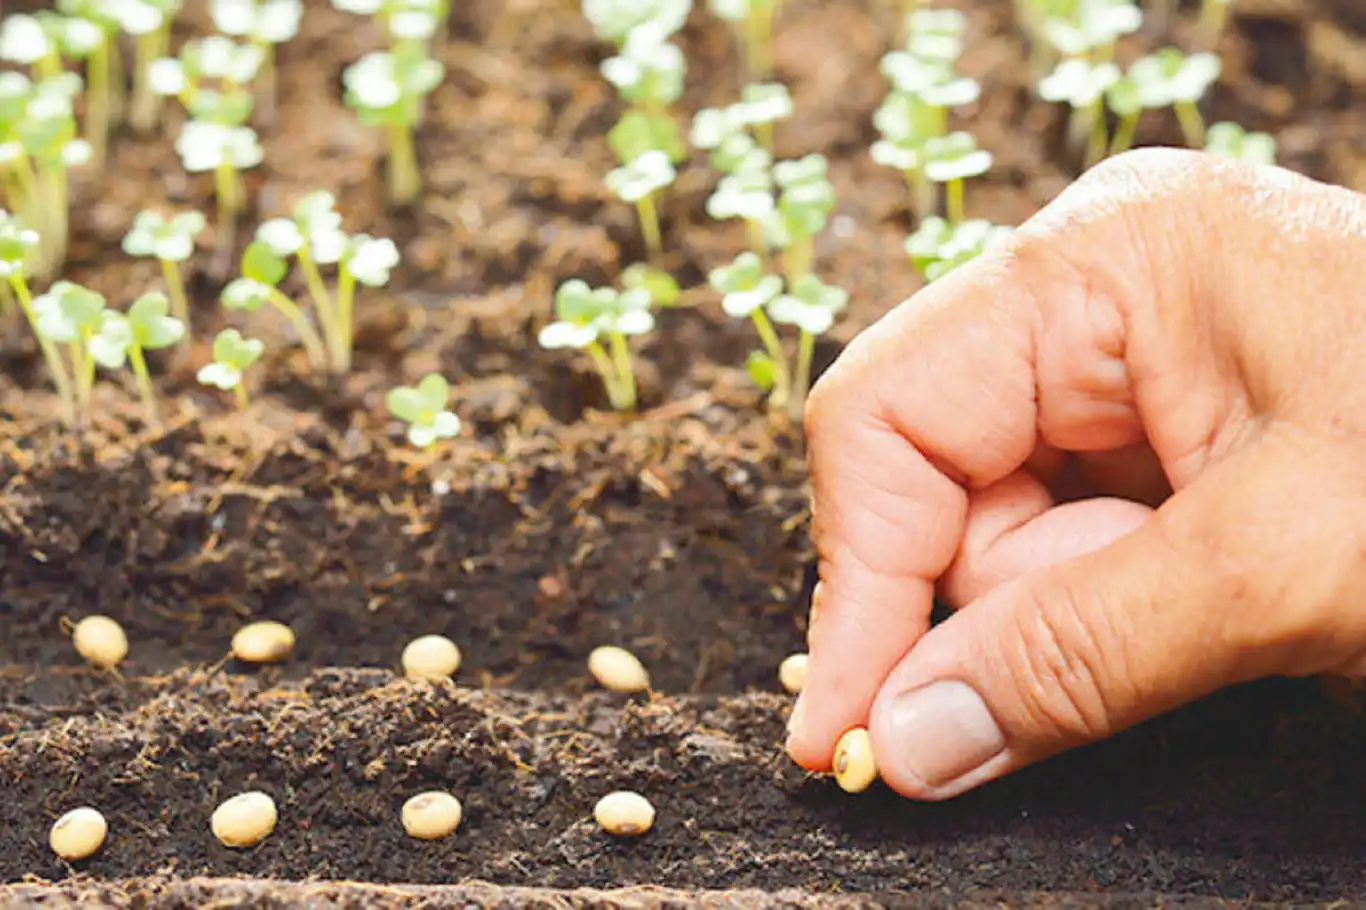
(945, 731)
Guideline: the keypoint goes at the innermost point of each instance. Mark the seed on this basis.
(78, 833)
(618, 669)
(792, 673)
(624, 813)
(101, 641)
(430, 657)
(245, 820)
(855, 767)
(263, 642)
(431, 815)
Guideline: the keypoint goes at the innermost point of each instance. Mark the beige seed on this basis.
(431, 815)
(430, 657)
(101, 641)
(78, 833)
(244, 820)
(855, 767)
(624, 813)
(263, 642)
(618, 669)
(792, 673)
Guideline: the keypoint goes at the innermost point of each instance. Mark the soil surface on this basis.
(550, 527)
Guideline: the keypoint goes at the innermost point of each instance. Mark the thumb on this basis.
(1252, 570)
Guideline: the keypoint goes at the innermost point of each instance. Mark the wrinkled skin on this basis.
(1128, 447)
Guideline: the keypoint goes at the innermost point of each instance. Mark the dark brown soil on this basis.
(550, 528)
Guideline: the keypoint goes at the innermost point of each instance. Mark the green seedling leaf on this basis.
(423, 408)
(205, 146)
(762, 370)
(1170, 77)
(23, 40)
(762, 103)
(109, 346)
(1078, 83)
(259, 21)
(1230, 140)
(68, 312)
(659, 284)
(152, 327)
(955, 157)
(262, 264)
(649, 70)
(642, 176)
(811, 305)
(938, 247)
(388, 87)
(1091, 25)
(370, 259)
(172, 239)
(638, 132)
(16, 242)
(746, 194)
(936, 34)
(245, 294)
(744, 286)
(614, 21)
(232, 354)
(586, 314)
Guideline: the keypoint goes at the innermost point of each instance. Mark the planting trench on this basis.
(548, 530)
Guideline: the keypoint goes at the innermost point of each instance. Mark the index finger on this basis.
(936, 398)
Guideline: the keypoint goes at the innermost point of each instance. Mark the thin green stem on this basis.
(953, 201)
(608, 372)
(1192, 124)
(626, 377)
(649, 227)
(922, 193)
(308, 335)
(226, 190)
(175, 290)
(782, 379)
(145, 106)
(797, 259)
(97, 109)
(757, 241)
(84, 366)
(55, 365)
(322, 301)
(241, 390)
(806, 349)
(758, 39)
(1213, 16)
(139, 364)
(405, 181)
(1095, 148)
(1124, 134)
(346, 300)
(117, 90)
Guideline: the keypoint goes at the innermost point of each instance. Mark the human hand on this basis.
(1172, 322)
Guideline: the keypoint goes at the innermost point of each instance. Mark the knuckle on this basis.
(1063, 666)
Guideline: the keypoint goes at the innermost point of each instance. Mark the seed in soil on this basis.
(101, 641)
(624, 813)
(78, 833)
(430, 657)
(855, 767)
(263, 642)
(792, 673)
(244, 820)
(618, 669)
(432, 815)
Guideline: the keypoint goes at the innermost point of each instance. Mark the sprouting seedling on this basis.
(648, 72)
(70, 314)
(638, 132)
(936, 34)
(123, 339)
(761, 106)
(232, 355)
(85, 34)
(950, 160)
(210, 77)
(225, 151)
(938, 246)
(171, 241)
(722, 133)
(1082, 86)
(747, 193)
(660, 285)
(586, 315)
(745, 291)
(1231, 140)
(637, 181)
(265, 24)
(1091, 28)
(906, 123)
(423, 408)
(755, 18)
(810, 305)
(386, 88)
(262, 272)
(47, 134)
(1171, 77)
(25, 42)
(613, 21)
(149, 22)
(805, 202)
(17, 243)
(365, 260)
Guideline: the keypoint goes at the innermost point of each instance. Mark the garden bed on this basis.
(552, 526)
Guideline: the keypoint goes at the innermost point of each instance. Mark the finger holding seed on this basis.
(101, 641)
(624, 813)
(263, 642)
(78, 834)
(618, 669)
